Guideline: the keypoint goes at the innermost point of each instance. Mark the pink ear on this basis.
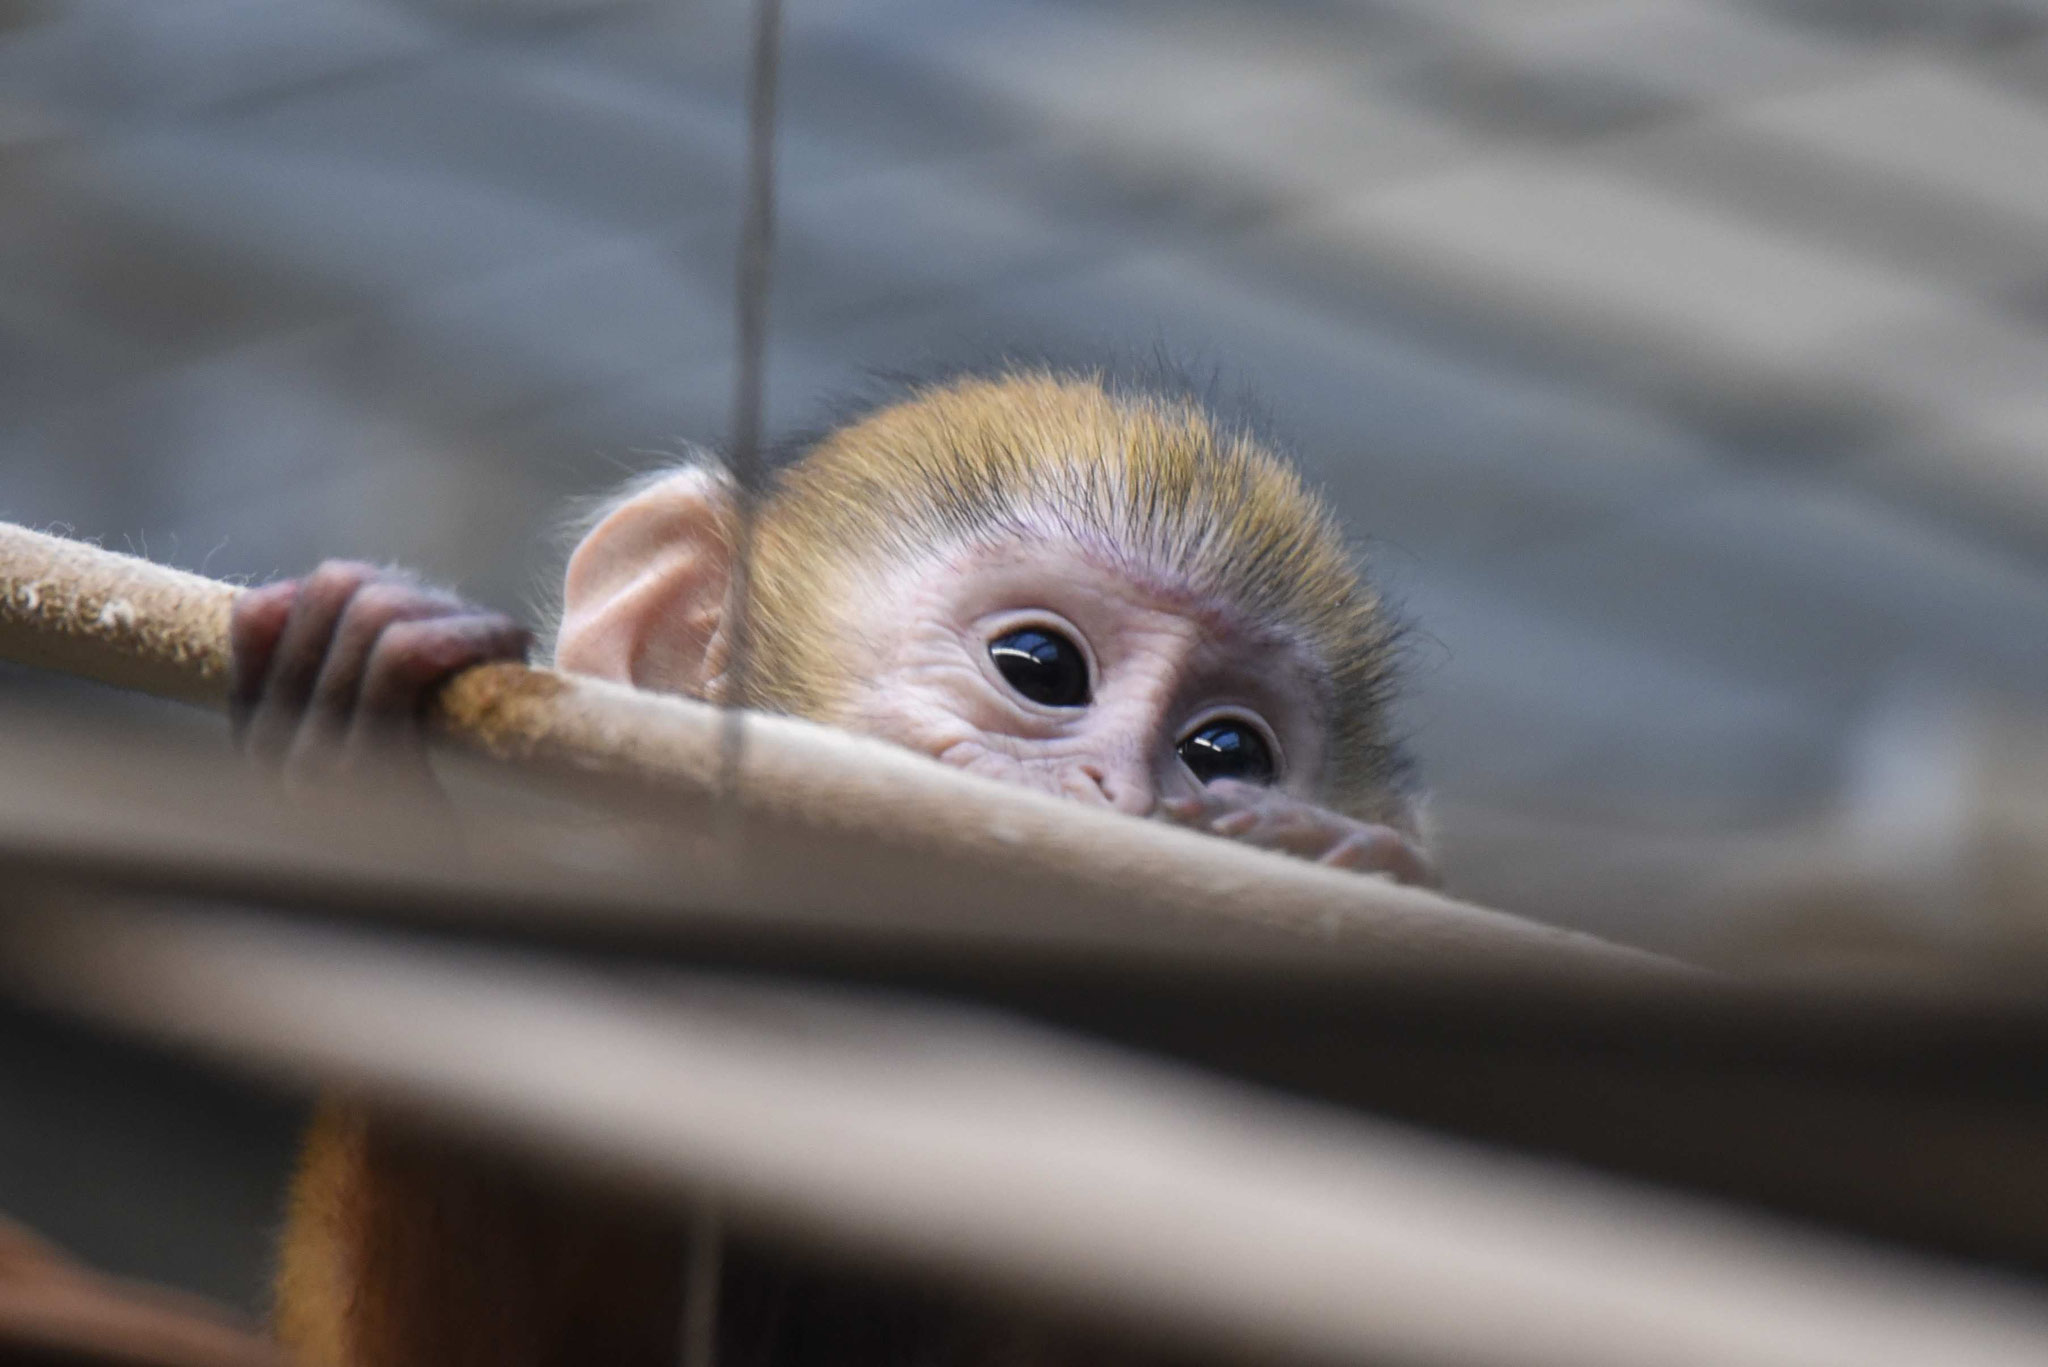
(645, 592)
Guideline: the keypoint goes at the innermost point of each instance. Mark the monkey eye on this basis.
(1042, 665)
(1227, 748)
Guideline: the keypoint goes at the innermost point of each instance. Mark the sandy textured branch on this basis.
(927, 835)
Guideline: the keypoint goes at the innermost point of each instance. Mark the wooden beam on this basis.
(1015, 1159)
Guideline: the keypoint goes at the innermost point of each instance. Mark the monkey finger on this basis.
(295, 663)
(1198, 813)
(1381, 849)
(326, 743)
(1215, 799)
(1299, 831)
(378, 735)
(1235, 792)
(1252, 815)
(255, 625)
(374, 609)
(1236, 825)
(1185, 811)
(411, 659)
(1302, 838)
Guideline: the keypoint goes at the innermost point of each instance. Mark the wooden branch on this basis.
(77, 608)
(1011, 1158)
(817, 815)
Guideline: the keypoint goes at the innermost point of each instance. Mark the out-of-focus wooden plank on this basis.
(1005, 1157)
(1710, 1083)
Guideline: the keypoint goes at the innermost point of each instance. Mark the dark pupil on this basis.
(1042, 665)
(1228, 749)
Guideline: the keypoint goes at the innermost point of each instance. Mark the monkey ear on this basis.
(644, 599)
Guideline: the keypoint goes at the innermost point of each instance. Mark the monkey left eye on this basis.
(1226, 748)
(1042, 665)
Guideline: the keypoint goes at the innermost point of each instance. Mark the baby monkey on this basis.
(1030, 577)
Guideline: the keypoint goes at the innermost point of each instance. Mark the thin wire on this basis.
(704, 1272)
(757, 239)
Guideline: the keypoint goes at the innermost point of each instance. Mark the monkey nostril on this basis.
(1114, 788)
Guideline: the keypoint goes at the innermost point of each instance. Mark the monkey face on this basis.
(1167, 626)
(1069, 668)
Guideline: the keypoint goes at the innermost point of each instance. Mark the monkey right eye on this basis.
(1043, 666)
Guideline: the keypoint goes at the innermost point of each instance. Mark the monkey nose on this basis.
(1126, 788)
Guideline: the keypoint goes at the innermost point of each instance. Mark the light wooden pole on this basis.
(821, 816)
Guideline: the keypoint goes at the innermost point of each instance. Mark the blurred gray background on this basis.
(1680, 363)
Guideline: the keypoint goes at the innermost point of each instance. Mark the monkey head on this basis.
(1105, 596)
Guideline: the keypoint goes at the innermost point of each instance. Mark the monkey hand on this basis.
(332, 673)
(1273, 820)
